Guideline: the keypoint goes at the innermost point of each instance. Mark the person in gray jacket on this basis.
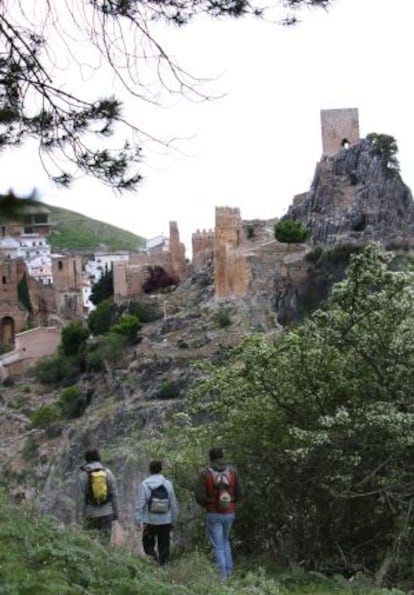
(96, 515)
(156, 513)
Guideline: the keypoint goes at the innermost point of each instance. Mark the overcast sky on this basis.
(257, 146)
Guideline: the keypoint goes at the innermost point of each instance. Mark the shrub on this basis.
(30, 450)
(45, 415)
(291, 232)
(60, 368)
(72, 402)
(158, 279)
(128, 326)
(103, 317)
(250, 232)
(168, 390)
(103, 288)
(223, 317)
(107, 348)
(145, 311)
(74, 337)
(314, 255)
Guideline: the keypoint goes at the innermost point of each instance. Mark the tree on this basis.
(74, 337)
(291, 232)
(68, 122)
(103, 288)
(158, 279)
(321, 425)
(385, 147)
(103, 317)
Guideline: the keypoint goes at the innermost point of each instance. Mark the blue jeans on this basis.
(218, 529)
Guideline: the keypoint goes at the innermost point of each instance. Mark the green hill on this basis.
(73, 231)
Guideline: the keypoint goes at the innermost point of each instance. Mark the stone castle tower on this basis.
(231, 270)
(67, 281)
(340, 128)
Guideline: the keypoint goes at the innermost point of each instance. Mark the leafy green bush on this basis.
(103, 317)
(103, 288)
(128, 326)
(144, 310)
(72, 402)
(59, 369)
(291, 232)
(45, 415)
(73, 338)
(108, 348)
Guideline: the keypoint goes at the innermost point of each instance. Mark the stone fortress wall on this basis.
(227, 247)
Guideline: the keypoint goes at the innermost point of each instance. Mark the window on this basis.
(60, 265)
(4, 279)
(40, 218)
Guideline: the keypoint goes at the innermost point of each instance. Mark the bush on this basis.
(103, 288)
(168, 390)
(314, 255)
(158, 279)
(44, 416)
(103, 317)
(145, 311)
(60, 368)
(74, 337)
(291, 232)
(223, 317)
(109, 348)
(72, 402)
(127, 326)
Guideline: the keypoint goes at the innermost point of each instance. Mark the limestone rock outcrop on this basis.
(356, 197)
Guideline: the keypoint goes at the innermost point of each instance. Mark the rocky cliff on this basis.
(356, 196)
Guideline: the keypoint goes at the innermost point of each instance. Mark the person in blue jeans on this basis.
(218, 490)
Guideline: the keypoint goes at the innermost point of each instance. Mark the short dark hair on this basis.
(215, 453)
(92, 455)
(155, 466)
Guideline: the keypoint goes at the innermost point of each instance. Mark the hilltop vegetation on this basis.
(73, 231)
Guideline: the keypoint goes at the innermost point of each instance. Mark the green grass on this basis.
(73, 231)
(40, 557)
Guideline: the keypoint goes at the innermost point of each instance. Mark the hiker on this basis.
(156, 513)
(97, 502)
(218, 490)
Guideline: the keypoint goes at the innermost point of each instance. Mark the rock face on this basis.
(355, 197)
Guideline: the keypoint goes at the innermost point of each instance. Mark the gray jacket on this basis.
(89, 511)
(142, 514)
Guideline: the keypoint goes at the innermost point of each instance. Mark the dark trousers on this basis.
(102, 525)
(159, 536)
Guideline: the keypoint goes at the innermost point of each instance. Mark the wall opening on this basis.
(345, 143)
(7, 331)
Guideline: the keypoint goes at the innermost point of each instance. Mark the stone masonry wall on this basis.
(231, 270)
(337, 126)
(203, 248)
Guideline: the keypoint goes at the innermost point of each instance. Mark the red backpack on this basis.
(220, 489)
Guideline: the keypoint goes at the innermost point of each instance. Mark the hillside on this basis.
(73, 231)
